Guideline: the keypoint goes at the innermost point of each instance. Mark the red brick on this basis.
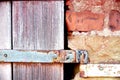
(117, 0)
(101, 2)
(84, 21)
(69, 4)
(96, 2)
(114, 20)
(70, 20)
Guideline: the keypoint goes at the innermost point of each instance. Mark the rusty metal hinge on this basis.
(61, 56)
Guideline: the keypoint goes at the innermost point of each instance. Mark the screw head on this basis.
(100, 68)
(5, 55)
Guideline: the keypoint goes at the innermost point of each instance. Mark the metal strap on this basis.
(61, 56)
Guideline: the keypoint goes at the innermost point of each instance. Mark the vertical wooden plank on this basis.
(5, 25)
(38, 25)
(36, 71)
(5, 37)
(5, 71)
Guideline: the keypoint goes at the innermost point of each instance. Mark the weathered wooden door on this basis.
(31, 25)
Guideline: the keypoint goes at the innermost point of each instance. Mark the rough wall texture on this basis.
(108, 10)
(98, 26)
(101, 49)
(114, 20)
(84, 21)
(94, 25)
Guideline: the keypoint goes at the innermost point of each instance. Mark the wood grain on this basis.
(37, 71)
(38, 25)
(5, 25)
(5, 37)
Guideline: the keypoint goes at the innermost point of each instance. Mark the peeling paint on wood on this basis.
(77, 77)
(100, 70)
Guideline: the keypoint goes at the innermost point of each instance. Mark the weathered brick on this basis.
(117, 0)
(114, 20)
(70, 20)
(69, 4)
(84, 21)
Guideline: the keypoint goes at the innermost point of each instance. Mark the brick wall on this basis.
(89, 15)
(94, 25)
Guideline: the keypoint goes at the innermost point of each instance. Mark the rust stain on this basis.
(52, 56)
(82, 73)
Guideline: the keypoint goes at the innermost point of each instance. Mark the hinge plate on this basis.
(61, 56)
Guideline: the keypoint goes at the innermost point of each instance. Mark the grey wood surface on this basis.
(38, 25)
(37, 71)
(5, 37)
